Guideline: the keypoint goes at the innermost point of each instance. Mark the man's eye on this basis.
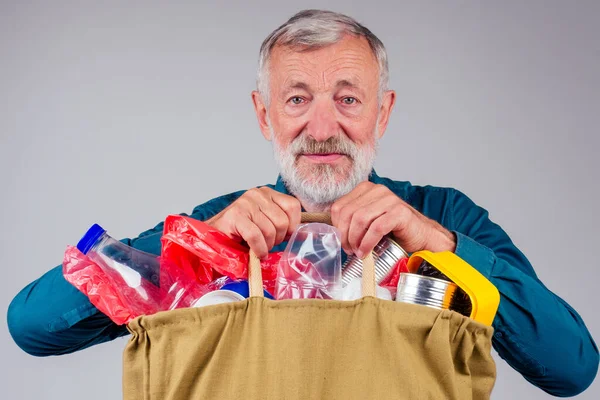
(296, 100)
(349, 100)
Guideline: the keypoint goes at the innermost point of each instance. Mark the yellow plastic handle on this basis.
(484, 296)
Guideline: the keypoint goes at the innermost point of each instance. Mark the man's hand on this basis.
(261, 217)
(368, 213)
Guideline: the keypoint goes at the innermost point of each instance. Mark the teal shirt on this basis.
(536, 331)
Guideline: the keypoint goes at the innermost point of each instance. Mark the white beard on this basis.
(321, 184)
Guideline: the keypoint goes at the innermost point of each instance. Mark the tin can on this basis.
(386, 255)
(425, 290)
(460, 301)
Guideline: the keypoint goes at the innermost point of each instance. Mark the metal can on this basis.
(425, 290)
(460, 301)
(386, 255)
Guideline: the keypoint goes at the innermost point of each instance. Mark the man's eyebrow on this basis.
(297, 85)
(346, 83)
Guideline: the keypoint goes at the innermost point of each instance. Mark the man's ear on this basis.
(261, 114)
(387, 104)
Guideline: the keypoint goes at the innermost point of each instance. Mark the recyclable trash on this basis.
(386, 254)
(425, 290)
(201, 266)
(465, 290)
(209, 253)
(89, 279)
(457, 299)
(124, 282)
(311, 267)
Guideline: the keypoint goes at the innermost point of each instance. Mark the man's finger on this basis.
(278, 219)
(342, 211)
(370, 207)
(262, 201)
(266, 227)
(252, 235)
(380, 227)
(361, 223)
(291, 206)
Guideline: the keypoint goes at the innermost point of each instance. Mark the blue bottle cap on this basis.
(90, 238)
(242, 288)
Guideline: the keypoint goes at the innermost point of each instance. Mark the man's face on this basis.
(324, 115)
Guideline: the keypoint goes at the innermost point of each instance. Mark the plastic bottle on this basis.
(146, 283)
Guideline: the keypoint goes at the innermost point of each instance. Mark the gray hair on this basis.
(314, 29)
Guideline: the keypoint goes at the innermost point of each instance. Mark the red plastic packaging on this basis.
(91, 280)
(392, 279)
(195, 258)
(209, 253)
(112, 293)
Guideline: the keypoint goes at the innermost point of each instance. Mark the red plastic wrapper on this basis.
(392, 279)
(209, 253)
(109, 287)
(195, 260)
(91, 280)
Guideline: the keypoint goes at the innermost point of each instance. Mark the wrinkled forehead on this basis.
(349, 62)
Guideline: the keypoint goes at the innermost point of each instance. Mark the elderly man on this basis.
(322, 99)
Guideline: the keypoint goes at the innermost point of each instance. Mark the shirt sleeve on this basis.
(536, 331)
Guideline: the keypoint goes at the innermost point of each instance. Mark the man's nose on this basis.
(323, 122)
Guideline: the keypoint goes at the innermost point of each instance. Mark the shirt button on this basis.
(498, 334)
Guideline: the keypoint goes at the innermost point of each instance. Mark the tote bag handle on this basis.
(368, 275)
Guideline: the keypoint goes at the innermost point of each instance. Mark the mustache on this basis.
(335, 144)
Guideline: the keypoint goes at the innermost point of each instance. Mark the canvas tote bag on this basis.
(261, 349)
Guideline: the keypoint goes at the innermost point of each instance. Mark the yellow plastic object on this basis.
(484, 296)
